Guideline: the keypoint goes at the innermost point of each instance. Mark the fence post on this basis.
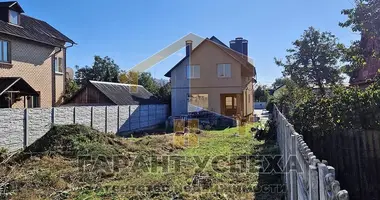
(293, 167)
(26, 118)
(52, 116)
(106, 121)
(313, 183)
(92, 116)
(118, 118)
(74, 114)
(322, 172)
(129, 117)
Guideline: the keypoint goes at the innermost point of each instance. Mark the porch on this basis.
(15, 90)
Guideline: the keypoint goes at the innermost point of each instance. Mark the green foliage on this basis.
(71, 88)
(270, 104)
(346, 109)
(353, 59)
(279, 82)
(364, 17)
(164, 93)
(261, 93)
(103, 69)
(313, 60)
(145, 79)
(291, 95)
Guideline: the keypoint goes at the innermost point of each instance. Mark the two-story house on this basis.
(32, 60)
(214, 77)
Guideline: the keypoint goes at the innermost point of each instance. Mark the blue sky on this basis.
(130, 31)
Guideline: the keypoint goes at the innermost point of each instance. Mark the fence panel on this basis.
(21, 127)
(312, 179)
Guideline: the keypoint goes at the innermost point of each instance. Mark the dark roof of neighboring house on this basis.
(123, 94)
(215, 39)
(16, 83)
(11, 4)
(243, 59)
(33, 29)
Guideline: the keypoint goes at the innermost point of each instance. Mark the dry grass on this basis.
(121, 168)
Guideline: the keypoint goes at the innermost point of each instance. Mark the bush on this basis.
(346, 108)
(270, 105)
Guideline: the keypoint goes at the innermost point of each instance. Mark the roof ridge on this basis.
(113, 83)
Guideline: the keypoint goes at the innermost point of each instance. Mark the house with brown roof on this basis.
(214, 77)
(32, 57)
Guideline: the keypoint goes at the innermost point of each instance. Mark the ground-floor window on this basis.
(200, 100)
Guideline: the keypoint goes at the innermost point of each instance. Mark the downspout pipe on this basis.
(53, 88)
(65, 66)
(54, 96)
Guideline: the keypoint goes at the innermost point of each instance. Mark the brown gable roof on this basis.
(33, 29)
(241, 58)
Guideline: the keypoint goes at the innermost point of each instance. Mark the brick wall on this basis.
(32, 62)
(21, 127)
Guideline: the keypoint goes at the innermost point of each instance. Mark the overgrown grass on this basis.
(215, 168)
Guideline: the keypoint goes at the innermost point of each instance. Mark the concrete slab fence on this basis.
(305, 177)
(21, 127)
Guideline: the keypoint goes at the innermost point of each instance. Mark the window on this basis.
(199, 100)
(4, 51)
(193, 71)
(224, 70)
(33, 101)
(13, 17)
(58, 65)
(229, 103)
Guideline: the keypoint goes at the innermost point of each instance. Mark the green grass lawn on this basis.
(216, 166)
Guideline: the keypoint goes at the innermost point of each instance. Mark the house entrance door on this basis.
(230, 104)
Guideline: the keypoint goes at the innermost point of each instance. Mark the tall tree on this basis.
(164, 93)
(146, 80)
(279, 82)
(261, 93)
(103, 69)
(70, 89)
(129, 77)
(313, 60)
(365, 19)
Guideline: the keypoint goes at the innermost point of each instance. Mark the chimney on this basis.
(189, 47)
(240, 45)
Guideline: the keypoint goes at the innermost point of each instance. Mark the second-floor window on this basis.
(58, 65)
(4, 51)
(193, 71)
(224, 70)
(14, 17)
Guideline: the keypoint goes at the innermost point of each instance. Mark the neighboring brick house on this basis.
(366, 75)
(214, 77)
(34, 51)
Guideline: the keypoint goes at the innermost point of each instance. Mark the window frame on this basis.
(224, 65)
(9, 57)
(56, 65)
(18, 17)
(191, 68)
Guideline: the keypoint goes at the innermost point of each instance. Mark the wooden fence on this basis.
(356, 158)
(305, 176)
